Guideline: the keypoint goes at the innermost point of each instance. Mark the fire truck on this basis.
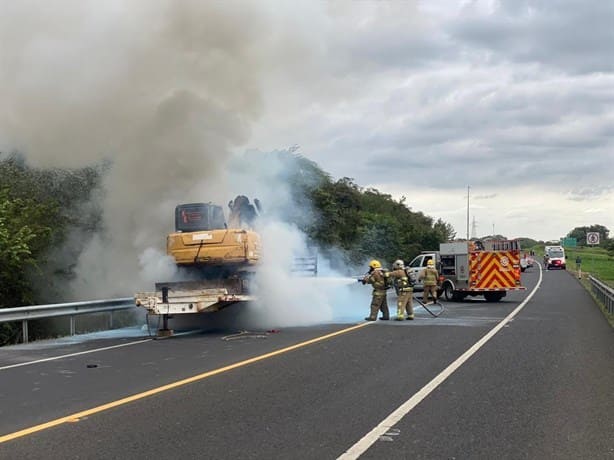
(487, 268)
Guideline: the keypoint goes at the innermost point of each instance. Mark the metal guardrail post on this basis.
(72, 325)
(24, 330)
(111, 319)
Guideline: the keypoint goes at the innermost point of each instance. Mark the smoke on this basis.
(167, 92)
(285, 299)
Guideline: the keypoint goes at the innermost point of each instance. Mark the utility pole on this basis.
(468, 187)
(474, 228)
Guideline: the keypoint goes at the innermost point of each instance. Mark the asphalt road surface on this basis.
(506, 380)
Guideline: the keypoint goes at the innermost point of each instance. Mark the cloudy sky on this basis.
(513, 98)
(420, 99)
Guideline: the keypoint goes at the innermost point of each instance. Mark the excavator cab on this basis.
(195, 217)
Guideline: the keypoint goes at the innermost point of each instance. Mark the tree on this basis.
(22, 239)
(38, 207)
(579, 233)
(366, 223)
(526, 243)
(445, 230)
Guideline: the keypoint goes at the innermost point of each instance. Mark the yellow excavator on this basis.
(216, 259)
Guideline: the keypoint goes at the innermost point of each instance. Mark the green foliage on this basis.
(579, 233)
(527, 243)
(23, 238)
(38, 209)
(366, 223)
(595, 261)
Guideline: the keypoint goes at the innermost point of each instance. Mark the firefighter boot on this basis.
(373, 315)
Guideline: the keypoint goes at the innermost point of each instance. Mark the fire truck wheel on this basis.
(448, 291)
(493, 296)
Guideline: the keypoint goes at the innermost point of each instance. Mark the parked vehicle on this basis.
(473, 268)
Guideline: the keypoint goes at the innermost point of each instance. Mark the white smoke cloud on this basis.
(157, 266)
(164, 90)
(285, 298)
(167, 92)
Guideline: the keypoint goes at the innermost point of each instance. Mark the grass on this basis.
(595, 261)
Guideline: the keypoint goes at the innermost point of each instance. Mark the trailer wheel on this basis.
(448, 291)
(493, 296)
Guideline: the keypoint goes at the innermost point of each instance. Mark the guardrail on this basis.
(604, 293)
(71, 309)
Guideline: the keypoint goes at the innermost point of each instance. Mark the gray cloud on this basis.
(401, 94)
(588, 193)
(569, 35)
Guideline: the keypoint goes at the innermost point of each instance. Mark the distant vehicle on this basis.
(554, 257)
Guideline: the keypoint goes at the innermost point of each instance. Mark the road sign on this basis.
(568, 242)
(592, 238)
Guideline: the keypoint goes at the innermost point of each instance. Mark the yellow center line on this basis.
(79, 415)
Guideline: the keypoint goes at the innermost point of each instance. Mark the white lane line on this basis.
(395, 417)
(53, 358)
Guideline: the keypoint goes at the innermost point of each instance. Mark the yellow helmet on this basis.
(430, 262)
(375, 264)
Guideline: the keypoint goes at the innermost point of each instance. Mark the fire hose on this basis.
(436, 303)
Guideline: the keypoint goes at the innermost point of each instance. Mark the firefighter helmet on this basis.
(398, 264)
(430, 263)
(375, 264)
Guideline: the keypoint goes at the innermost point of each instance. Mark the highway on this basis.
(530, 377)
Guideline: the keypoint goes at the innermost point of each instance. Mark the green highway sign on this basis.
(568, 242)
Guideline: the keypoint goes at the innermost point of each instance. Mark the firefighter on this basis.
(379, 279)
(403, 286)
(430, 277)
